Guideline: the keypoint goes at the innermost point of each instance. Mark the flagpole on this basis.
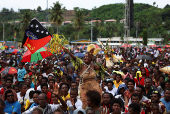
(3, 31)
(91, 30)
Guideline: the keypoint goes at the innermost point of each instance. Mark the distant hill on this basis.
(116, 11)
(69, 15)
(111, 11)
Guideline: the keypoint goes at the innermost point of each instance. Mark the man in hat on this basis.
(58, 72)
(155, 98)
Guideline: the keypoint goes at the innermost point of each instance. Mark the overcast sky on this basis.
(70, 4)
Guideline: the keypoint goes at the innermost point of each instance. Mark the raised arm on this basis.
(56, 92)
(97, 67)
(68, 52)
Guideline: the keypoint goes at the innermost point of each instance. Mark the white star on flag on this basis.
(32, 25)
(36, 26)
(42, 31)
(37, 31)
(46, 32)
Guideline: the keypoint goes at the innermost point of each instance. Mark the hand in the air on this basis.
(56, 90)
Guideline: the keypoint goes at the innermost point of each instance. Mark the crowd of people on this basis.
(72, 85)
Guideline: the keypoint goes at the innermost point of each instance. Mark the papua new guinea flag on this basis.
(36, 36)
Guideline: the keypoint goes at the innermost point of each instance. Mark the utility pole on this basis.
(127, 21)
(3, 32)
(136, 31)
(91, 30)
(47, 15)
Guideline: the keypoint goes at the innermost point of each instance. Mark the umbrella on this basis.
(9, 70)
(101, 52)
(144, 57)
(153, 45)
(12, 46)
(126, 45)
(15, 51)
(167, 46)
(66, 55)
(76, 51)
(38, 55)
(159, 49)
(79, 54)
(165, 70)
(97, 46)
(121, 73)
(2, 47)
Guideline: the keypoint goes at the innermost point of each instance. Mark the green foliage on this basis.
(39, 8)
(167, 6)
(111, 11)
(156, 20)
(25, 19)
(56, 14)
(145, 37)
(79, 20)
(5, 10)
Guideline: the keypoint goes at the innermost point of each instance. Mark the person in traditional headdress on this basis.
(87, 72)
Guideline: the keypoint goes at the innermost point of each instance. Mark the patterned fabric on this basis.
(128, 94)
(148, 105)
(117, 84)
(156, 83)
(149, 93)
(48, 110)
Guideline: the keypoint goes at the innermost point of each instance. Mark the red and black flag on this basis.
(36, 36)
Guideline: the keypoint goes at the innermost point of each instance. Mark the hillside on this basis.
(116, 11)
(154, 19)
(69, 15)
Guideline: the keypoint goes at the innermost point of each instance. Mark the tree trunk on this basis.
(78, 34)
(57, 29)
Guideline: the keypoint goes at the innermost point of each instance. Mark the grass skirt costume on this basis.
(87, 80)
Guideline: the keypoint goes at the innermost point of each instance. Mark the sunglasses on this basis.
(10, 95)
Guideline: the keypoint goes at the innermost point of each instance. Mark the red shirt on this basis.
(48, 96)
(141, 81)
(136, 81)
(2, 91)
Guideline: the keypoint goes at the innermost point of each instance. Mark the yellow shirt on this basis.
(59, 74)
(27, 104)
(117, 84)
(64, 98)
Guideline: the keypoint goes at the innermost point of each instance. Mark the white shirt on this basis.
(20, 99)
(39, 88)
(113, 91)
(53, 108)
(120, 96)
(143, 99)
(45, 75)
(145, 65)
(78, 104)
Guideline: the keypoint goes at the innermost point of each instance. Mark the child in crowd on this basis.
(21, 72)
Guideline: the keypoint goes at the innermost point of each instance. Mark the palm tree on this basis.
(79, 20)
(56, 14)
(25, 19)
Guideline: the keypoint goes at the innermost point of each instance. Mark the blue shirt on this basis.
(12, 107)
(34, 104)
(21, 73)
(32, 85)
(167, 104)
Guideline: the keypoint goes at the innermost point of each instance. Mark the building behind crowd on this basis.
(118, 41)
